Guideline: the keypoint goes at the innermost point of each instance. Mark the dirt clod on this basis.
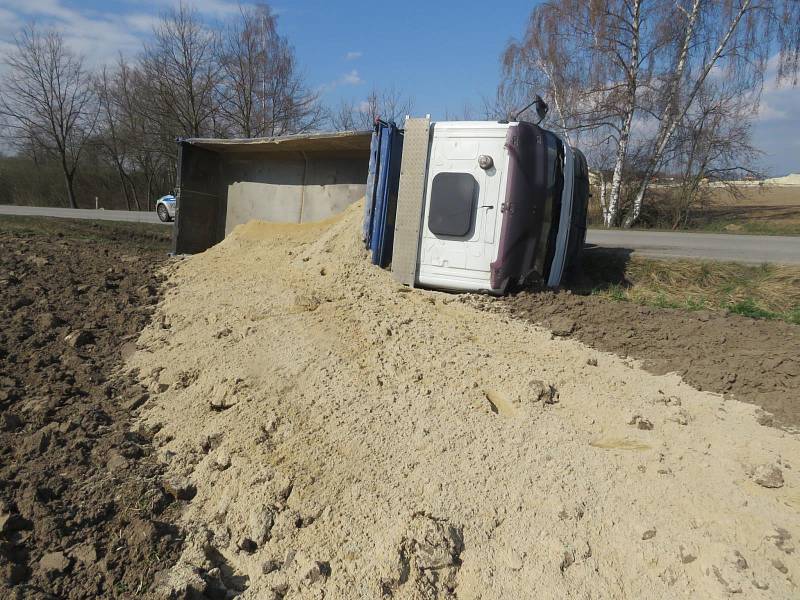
(180, 488)
(54, 563)
(640, 422)
(561, 326)
(768, 476)
(79, 338)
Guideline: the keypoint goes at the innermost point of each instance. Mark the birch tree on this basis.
(47, 98)
(732, 36)
(630, 71)
(591, 60)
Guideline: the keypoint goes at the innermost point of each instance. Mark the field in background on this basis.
(768, 210)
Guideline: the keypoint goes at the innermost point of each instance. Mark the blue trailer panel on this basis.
(385, 206)
(369, 196)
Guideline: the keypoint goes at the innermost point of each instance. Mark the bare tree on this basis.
(261, 93)
(47, 99)
(389, 104)
(709, 147)
(592, 60)
(181, 73)
(115, 135)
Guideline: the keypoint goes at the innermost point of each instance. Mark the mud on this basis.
(751, 360)
(83, 511)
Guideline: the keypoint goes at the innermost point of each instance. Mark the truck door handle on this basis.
(486, 206)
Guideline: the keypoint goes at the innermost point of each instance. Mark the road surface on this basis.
(753, 249)
(81, 213)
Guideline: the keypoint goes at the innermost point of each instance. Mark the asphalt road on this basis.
(754, 249)
(81, 213)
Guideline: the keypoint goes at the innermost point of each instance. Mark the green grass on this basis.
(749, 227)
(756, 291)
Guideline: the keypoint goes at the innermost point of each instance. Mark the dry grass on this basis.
(764, 291)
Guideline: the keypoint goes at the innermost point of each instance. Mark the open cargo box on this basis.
(291, 179)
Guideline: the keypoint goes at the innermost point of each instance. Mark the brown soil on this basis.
(751, 360)
(83, 511)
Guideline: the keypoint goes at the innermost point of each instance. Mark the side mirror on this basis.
(541, 107)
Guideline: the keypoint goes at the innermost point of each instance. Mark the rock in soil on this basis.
(768, 476)
(80, 338)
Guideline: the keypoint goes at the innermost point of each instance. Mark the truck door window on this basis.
(452, 206)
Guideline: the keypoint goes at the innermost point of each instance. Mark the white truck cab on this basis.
(467, 203)
(481, 206)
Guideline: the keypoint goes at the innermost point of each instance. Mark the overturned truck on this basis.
(475, 205)
(463, 206)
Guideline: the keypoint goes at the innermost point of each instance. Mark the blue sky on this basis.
(442, 53)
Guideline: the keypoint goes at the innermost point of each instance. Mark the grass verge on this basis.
(750, 227)
(723, 227)
(759, 291)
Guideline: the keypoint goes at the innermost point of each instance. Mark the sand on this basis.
(350, 438)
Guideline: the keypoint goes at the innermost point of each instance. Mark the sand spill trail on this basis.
(354, 439)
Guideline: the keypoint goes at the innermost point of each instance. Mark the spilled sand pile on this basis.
(340, 436)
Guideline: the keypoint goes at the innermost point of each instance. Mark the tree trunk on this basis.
(668, 125)
(149, 189)
(616, 178)
(636, 209)
(121, 175)
(603, 191)
(630, 108)
(134, 193)
(69, 176)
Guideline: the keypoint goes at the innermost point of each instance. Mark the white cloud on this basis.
(142, 22)
(353, 55)
(351, 78)
(98, 35)
(216, 8)
(768, 112)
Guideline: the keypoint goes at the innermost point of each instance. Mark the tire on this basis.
(163, 213)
